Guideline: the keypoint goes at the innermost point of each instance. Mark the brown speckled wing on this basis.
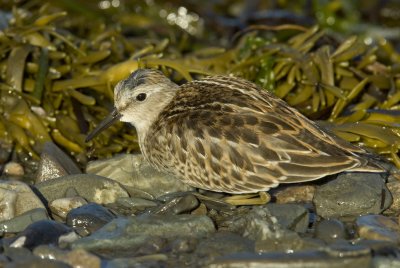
(225, 134)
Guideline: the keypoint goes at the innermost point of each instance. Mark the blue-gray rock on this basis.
(37, 263)
(132, 232)
(75, 258)
(351, 195)
(91, 187)
(220, 244)
(55, 163)
(137, 176)
(302, 259)
(89, 217)
(41, 233)
(19, 223)
(177, 205)
(291, 216)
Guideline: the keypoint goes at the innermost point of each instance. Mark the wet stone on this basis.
(41, 233)
(132, 232)
(91, 187)
(55, 163)
(155, 260)
(183, 245)
(137, 176)
(16, 199)
(330, 230)
(75, 258)
(16, 253)
(177, 205)
(291, 216)
(394, 188)
(378, 227)
(135, 203)
(284, 260)
(62, 206)
(89, 217)
(130, 206)
(386, 262)
(351, 195)
(222, 243)
(37, 263)
(19, 223)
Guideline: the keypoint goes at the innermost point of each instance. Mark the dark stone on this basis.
(351, 195)
(90, 217)
(41, 233)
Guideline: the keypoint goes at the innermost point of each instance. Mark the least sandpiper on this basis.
(226, 134)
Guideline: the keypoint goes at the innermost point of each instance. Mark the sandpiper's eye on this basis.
(141, 97)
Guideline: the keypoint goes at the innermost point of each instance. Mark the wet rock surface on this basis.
(93, 188)
(138, 177)
(87, 220)
(352, 194)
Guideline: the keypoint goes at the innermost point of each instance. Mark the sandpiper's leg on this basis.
(260, 198)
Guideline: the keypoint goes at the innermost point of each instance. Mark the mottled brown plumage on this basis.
(226, 134)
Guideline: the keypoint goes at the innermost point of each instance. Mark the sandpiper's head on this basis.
(139, 99)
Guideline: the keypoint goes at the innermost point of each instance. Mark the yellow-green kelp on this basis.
(57, 85)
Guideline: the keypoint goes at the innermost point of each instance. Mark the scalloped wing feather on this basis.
(225, 134)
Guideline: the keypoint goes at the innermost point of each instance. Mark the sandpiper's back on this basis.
(226, 134)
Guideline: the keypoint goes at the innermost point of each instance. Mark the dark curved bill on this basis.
(107, 122)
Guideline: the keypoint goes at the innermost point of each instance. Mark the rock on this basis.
(183, 245)
(91, 187)
(14, 169)
(330, 230)
(137, 176)
(19, 223)
(15, 254)
(133, 232)
(155, 260)
(135, 202)
(89, 217)
(294, 194)
(394, 189)
(16, 198)
(378, 227)
(177, 205)
(62, 206)
(220, 244)
(41, 233)
(75, 258)
(55, 163)
(386, 262)
(351, 195)
(291, 216)
(297, 259)
(37, 263)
